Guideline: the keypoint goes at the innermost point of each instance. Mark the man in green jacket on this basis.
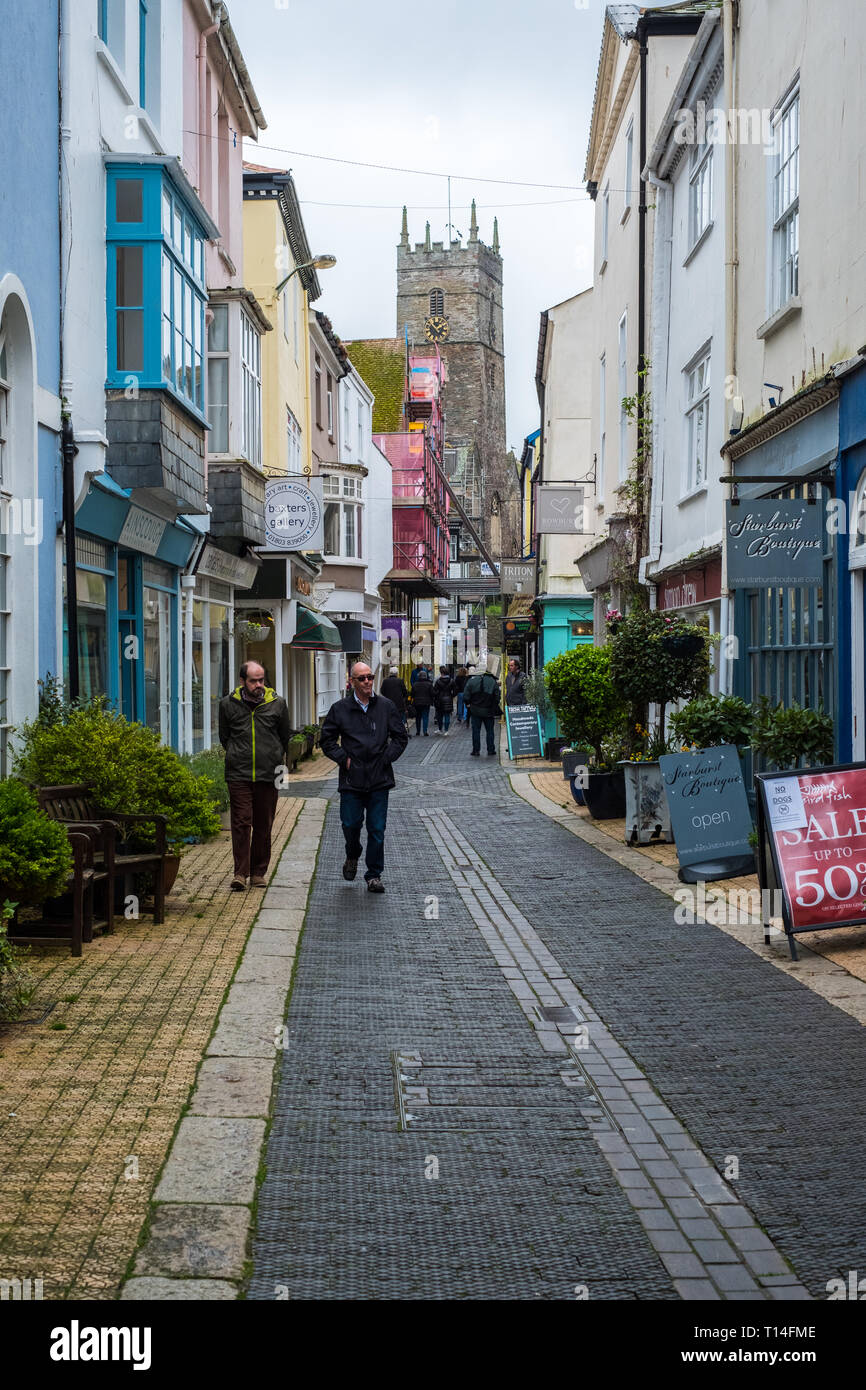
(255, 732)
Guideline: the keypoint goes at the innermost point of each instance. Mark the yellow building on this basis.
(284, 630)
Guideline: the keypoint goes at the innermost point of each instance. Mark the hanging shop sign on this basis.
(560, 511)
(774, 543)
(523, 727)
(710, 814)
(687, 588)
(517, 576)
(812, 845)
(231, 569)
(293, 513)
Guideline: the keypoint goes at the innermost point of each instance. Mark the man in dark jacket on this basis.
(481, 694)
(394, 690)
(515, 684)
(364, 734)
(254, 730)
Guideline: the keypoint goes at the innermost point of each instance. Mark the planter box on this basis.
(647, 818)
(604, 795)
(554, 748)
(577, 791)
(571, 761)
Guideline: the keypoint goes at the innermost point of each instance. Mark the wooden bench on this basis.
(76, 921)
(74, 807)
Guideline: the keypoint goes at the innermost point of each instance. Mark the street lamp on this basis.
(317, 263)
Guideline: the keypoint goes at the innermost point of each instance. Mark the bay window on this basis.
(251, 369)
(343, 516)
(155, 285)
(218, 379)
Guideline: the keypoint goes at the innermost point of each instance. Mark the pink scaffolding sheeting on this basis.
(421, 504)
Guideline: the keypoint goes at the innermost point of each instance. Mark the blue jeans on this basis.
(353, 806)
(446, 721)
(461, 707)
(422, 719)
(488, 722)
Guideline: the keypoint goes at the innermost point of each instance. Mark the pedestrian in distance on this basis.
(364, 734)
(470, 672)
(254, 730)
(459, 684)
(422, 699)
(443, 698)
(394, 689)
(515, 684)
(481, 694)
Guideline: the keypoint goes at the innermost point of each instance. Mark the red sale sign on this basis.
(816, 824)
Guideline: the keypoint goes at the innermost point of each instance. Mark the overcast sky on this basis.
(483, 89)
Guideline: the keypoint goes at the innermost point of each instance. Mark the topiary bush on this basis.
(713, 719)
(652, 661)
(127, 766)
(588, 706)
(35, 853)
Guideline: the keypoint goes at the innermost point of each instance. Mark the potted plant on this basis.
(712, 720)
(590, 710)
(792, 737)
(296, 749)
(654, 659)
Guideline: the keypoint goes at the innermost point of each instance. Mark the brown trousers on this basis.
(253, 807)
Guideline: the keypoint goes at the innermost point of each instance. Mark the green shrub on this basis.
(536, 693)
(788, 737)
(17, 984)
(35, 854)
(210, 765)
(587, 704)
(126, 765)
(713, 719)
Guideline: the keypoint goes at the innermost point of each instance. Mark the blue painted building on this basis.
(30, 492)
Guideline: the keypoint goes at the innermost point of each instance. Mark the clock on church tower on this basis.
(436, 328)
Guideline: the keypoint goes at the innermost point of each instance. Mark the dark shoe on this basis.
(350, 868)
(426, 735)
(375, 885)
(239, 885)
(491, 752)
(473, 754)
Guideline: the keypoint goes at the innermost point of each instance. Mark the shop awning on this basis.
(315, 633)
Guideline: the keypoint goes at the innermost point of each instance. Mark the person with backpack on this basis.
(443, 698)
(422, 699)
(481, 694)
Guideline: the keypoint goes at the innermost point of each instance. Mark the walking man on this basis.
(365, 735)
(515, 684)
(394, 689)
(481, 694)
(422, 699)
(443, 698)
(254, 730)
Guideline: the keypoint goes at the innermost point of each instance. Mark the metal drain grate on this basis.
(559, 1013)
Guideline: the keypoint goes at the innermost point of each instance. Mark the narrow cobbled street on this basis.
(514, 1076)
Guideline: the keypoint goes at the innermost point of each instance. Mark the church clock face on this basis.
(436, 328)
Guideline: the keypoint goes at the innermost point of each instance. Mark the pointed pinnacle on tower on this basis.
(427, 238)
(496, 236)
(404, 231)
(473, 224)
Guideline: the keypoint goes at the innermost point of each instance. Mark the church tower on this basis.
(452, 296)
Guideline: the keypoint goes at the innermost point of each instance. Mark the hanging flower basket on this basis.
(252, 632)
(682, 643)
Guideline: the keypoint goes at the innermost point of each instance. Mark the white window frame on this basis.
(785, 202)
(696, 387)
(700, 192)
(362, 418)
(605, 224)
(622, 381)
(294, 440)
(602, 425)
(329, 392)
(629, 167)
(345, 491)
(347, 435)
(251, 378)
(223, 355)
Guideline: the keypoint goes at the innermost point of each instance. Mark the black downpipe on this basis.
(69, 450)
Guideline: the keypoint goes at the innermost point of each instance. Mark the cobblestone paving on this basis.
(104, 1078)
(497, 1187)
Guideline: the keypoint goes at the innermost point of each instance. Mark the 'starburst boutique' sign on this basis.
(293, 513)
(774, 543)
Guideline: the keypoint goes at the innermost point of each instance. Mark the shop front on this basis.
(129, 562)
(565, 621)
(211, 670)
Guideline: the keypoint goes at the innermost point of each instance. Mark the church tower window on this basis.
(437, 303)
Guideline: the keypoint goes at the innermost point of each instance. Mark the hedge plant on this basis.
(785, 737)
(645, 672)
(713, 719)
(35, 853)
(127, 766)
